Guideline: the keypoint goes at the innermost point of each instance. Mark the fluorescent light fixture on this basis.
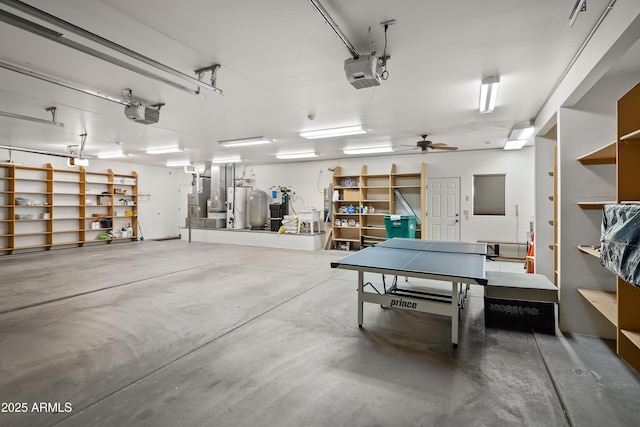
(77, 161)
(515, 144)
(227, 160)
(329, 133)
(519, 136)
(256, 140)
(368, 150)
(489, 93)
(289, 156)
(580, 6)
(178, 164)
(520, 133)
(32, 119)
(112, 155)
(164, 150)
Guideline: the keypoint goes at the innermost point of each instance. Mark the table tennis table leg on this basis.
(455, 314)
(360, 292)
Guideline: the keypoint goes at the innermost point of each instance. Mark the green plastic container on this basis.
(400, 226)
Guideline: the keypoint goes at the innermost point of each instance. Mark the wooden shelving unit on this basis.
(621, 307)
(43, 207)
(363, 201)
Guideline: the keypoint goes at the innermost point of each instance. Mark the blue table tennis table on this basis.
(459, 263)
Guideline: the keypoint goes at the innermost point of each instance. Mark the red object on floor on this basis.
(529, 264)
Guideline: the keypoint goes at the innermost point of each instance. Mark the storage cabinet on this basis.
(620, 307)
(43, 207)
(361, 201)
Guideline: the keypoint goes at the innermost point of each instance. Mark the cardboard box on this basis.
(104, 200)
(351, 195)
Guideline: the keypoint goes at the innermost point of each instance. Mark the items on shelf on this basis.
(360, 201)
(64, 207)
(620, 251)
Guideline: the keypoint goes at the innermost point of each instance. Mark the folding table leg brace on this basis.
(447, 305)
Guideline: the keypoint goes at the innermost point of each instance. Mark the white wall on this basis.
(544, 208)
(579, 133)
(157, 216)
(308, 180)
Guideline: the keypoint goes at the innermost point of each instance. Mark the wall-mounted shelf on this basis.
(631, 136)
(603, 301)
(590, 250)
(595, 204)
(61, 199)
(602, 156)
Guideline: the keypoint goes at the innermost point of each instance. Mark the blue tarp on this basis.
(620, 240)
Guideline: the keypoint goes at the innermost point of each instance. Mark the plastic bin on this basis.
(400, 226)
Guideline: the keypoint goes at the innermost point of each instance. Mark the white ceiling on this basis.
(281, 63)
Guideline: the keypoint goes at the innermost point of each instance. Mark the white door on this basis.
(443, 209)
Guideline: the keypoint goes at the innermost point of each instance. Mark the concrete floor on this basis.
(166, 333)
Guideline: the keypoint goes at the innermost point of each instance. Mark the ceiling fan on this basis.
(424, 145)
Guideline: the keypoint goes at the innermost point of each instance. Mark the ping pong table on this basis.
(459, 263)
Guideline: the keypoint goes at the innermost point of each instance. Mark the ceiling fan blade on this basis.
(425, 151)
(438, 145)
(446, 148)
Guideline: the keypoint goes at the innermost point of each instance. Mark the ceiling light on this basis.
(290, 156)
(368, 150)
(112, 155)
(245, 141)
(328, 133)
(227, 160)
(519, 136)
(519, 133)
(178, 164)
(489, 93)
(580, 6)
(164, 150)
(515, 144)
